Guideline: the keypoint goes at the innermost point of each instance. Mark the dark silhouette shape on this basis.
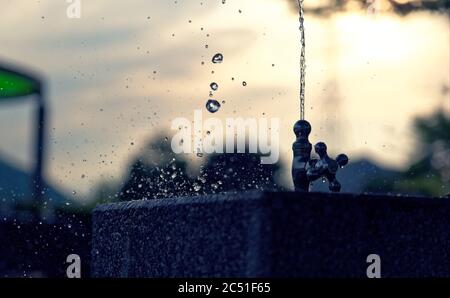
(355, 176)
(429, 172)
(399, 7)
(221, 173)
(165, 179)
(237, 172)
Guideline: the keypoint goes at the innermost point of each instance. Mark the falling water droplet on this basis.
(244, 83)
(218, 58)
(214, 86)
(212, 105)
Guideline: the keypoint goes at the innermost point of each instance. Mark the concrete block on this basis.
(272, 234)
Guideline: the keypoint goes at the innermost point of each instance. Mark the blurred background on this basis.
(378, 81)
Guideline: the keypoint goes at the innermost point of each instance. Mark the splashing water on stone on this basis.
(212, 105)
(302, 60)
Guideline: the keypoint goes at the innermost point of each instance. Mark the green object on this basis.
(14, 84)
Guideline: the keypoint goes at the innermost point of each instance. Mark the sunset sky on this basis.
(126, 69)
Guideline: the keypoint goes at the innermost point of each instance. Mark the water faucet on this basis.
(305, 169)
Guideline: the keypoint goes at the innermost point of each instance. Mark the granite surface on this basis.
(272, 234)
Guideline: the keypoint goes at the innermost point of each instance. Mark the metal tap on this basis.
(305, 169)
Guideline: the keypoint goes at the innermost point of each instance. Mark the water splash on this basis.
(218, 58)
(212, 106)
(302, 60)
(214, 86)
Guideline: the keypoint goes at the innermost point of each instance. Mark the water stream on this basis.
(302, 60)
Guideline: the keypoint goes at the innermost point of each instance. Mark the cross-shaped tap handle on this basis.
(326, 167)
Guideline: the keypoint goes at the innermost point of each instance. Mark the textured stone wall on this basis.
(283, 234)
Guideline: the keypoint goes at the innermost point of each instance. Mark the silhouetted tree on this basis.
(399, 7)
(237, 172)
(164, 178)
(429, 173)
